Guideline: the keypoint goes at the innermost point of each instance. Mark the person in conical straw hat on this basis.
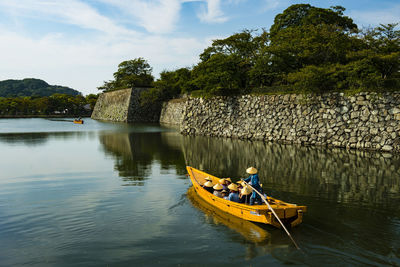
(245, 196)
(208, 186)
(233, 195)
(228, 181)
(208, 179)
(233, 187)
(217, 190)
(223, 183)
(239, 185)
(254, 181)
(224, 194)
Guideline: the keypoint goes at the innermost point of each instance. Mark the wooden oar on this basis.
(273, 212)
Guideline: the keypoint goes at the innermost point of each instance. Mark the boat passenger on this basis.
(244, 196)
(228, 181)
(208, 186)
(225, 194)
(217, 190)
(233, 196)
(239, 185)
(254, 181)
(223, 183)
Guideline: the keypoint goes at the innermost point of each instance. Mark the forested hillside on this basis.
(32, 87)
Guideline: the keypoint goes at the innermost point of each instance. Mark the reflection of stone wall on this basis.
(336, 173)
(125, 106)
(365, 120)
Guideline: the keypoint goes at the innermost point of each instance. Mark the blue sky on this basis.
(79, 43)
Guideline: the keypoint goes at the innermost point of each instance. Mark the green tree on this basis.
(131, 73)
(170, 84)
(225, 65)
(91, 99)
(304, 14)
(32, 87)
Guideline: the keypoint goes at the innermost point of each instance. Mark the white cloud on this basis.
(85, 64)
(156, 16)
(270, 5)
(69, 12)
(162, 16)
(376, 17)
(213, 13)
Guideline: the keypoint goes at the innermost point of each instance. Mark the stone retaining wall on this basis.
(172, 111)
(113, 106)
(363, 121)
(125, 106)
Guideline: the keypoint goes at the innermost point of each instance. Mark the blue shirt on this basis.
(253, 180)
(234, 197)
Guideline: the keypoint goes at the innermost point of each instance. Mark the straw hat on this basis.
(246, 190)
(208, 184)
(224, 191)
(217, 187)
(222, 181)
(233, 187)
(251, 170)
(208, 178)
(228, 179)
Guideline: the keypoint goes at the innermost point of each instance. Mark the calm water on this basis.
(115, 194)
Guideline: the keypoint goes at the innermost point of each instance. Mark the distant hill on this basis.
(32, 87)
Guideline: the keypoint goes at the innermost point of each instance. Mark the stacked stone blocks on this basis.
(362, 121)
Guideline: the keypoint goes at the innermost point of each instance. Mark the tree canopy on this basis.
(32, 87)
(130, 73)
(47, 105)
(307, 49)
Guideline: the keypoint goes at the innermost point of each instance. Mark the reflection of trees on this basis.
(32, 139)
(136, 152)
(334, 174)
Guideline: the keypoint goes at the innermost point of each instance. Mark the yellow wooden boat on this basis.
(78, 121)
(289, 214)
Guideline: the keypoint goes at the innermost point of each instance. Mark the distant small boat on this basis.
(289, 214)
(78, 121)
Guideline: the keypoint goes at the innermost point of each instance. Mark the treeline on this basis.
(57, 104)
(32, 87)
(307, 49)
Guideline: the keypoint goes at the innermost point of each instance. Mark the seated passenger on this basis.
(228, 181)
(208, 186)
(217, 190)
(225, 194)
(245, 194)
(239, 185)
(223, 183)
(233, 196)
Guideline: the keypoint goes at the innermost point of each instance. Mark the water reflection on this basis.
(353, 196)
(37, 138)
(135, 153)
(248, 230)
(334, 174)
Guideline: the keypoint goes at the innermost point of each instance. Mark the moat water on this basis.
(108, 194)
